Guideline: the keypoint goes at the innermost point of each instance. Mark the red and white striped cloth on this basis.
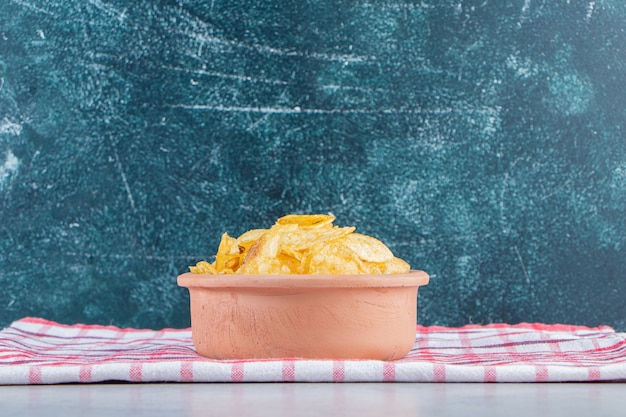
(37, 351)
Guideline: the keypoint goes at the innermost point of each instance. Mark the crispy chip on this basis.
(290, 265)
(203, 267)
(331, 258)
(396, 266)
(300, 239)
(228, 254)
(248, 238)
(254, 257)
(368, 248)
(307, 220)
(302, 244)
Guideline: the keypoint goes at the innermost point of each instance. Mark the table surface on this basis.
(303, 399)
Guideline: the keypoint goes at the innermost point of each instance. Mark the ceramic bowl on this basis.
(303, 316)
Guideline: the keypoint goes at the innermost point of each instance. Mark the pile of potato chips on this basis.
(302, 244)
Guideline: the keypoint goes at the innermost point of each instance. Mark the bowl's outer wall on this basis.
(339, 323)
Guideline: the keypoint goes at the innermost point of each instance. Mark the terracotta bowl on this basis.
(305, 316)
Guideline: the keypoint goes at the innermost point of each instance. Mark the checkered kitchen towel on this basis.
(37, 351)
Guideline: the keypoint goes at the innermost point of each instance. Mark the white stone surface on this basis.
(299, 399)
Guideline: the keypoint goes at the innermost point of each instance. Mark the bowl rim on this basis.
(413, 278)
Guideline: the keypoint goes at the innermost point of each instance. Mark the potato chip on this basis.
(290, 265)
(302, 239)
(331, 258)
(393, 266)
(307, 220)
(247, 239)
(264, 257)
(368, 248)
(303, 244)
(396, 266)
(203, 267)
(228, 254)
(255, 256)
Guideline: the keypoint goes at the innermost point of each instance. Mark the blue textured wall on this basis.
(483, 142)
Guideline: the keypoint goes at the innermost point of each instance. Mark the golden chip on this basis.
(203, 267)
(331, 258)
(228, 254)
(300, 239)
(255, 257)
(369, 248)
(303, 244)
(307, 220)
(247, 239)
(396, 266)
